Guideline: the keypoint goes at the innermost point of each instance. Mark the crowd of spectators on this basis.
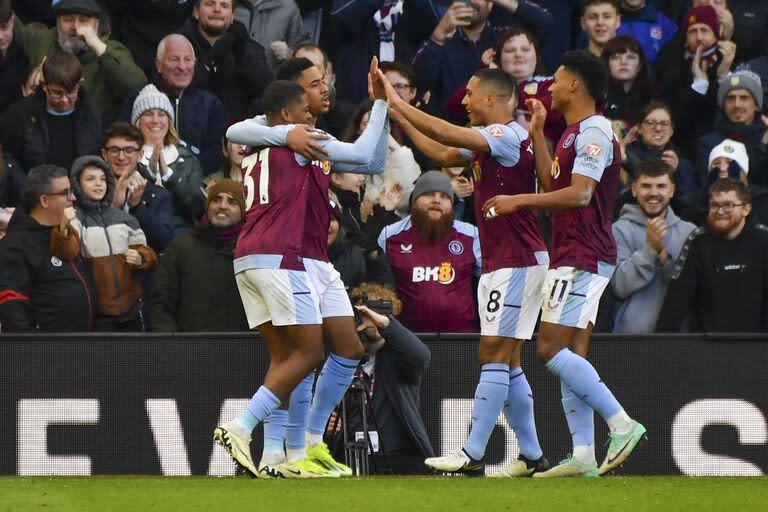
(120, 200)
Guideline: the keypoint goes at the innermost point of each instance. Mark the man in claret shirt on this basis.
(581, 189)
(514, 260)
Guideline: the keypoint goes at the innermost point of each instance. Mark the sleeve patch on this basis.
(594, 150)
(496, 131)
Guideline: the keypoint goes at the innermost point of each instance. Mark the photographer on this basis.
(390, 376)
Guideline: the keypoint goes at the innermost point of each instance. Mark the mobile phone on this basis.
(467, 3)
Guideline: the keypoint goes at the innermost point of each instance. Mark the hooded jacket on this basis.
(640, 282)
(107, 233)
(44, 285)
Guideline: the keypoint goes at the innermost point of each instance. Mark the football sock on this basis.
(489, 400)
(581, 423)
(333, 382)
(274, 435)
(262, 404)
(298, 414)
(582, 379)
(620, 423)
(518, 410)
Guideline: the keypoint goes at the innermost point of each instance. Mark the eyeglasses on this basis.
(726, 207)
(58, 94)
(401, 87)
(63, 193)
(115, 150)
(653, 124)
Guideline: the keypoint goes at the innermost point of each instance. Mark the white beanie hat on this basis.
(150, 97)
(731, 150)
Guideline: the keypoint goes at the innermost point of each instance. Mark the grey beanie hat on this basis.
(742, 79)
(432, 181)
(150, 97)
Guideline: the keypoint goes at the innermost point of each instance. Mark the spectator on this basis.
(229, 64)
(760, 66)
(351, 261)
(44, 285)
(13, 64)
(199, 115)
(113, 244)
(651, 140)
(275, 24)
(195, 287)
(647, 25)
(720, 281)
(170, 164)
(347, 187)
(434, 260)
(749, 19)
(600, 20)
(463, 185)
(232, 166)
(12, 181)
(141, 24)
(108, 68)
(391, 375)
(688, 69)
(740, 98)
(649, 236)
(57, 123)
(629, 86)
(388, 29)
(452, 53)
(559, 41)
(135, 191)
(724, 16)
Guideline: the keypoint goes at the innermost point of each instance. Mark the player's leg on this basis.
(273, 452)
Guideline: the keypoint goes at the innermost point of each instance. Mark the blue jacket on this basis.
(651, 29)
(155, 215)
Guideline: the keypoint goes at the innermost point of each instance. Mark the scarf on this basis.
(386, 19)
(225, 236)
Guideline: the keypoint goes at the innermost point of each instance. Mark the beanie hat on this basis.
(731, 150)
(742, 79)
(231, 187)
(705, 14)
(432, 181)
(150, 97)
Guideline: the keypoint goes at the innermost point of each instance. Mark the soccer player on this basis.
(515, 259)
(286, 282)
(582, 186)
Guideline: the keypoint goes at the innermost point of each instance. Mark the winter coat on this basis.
(200, 121)
(356, 265)
(195, 287)
(12, 180)
(649, 27)
(750, 24)
(235, 68)
(686, 180)
(24, 129)
(14, 68)
(640, 282)
(155, 214)
(752, 137)
(44, 284)
(109, 78)
(272, 20)
(107, 233)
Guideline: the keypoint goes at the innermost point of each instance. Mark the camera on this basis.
(380, 306)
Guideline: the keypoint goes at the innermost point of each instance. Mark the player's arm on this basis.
(541, 155)
(256, 132)
(440, 153)
(434, 127)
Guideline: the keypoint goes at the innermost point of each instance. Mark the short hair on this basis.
(6, 12)
(657, 105)
(399, 67)
(62, 69)
(292, 69)
(725, 185)
(168, 39)
(313, 48)
(279, 95)
(125, 131)
(653, 169)
(364, 290)
(588, 3)
(514, 32)
(590, 69)
(39, 182)
(497, 80)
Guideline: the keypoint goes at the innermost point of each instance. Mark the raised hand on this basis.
(376, 88)
(137, 187)
(67, 216)
(133, 257)
(389, 199)
(699, 67)
(538, 115)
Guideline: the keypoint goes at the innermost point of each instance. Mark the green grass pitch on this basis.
(392, 494)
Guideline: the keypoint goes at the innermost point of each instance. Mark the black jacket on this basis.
(356, 265)
(13, 72)
(719, 285)
(195, 286)
(235, 68)
(24, 129)
(12, 179)
(39, 291)
(155, 214)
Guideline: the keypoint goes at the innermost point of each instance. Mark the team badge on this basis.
(594, 150)
(735, 80)
(456, 247)
(324, 165)
(568, 141)
(656, 32)
(531, 89)
(728, 149)
(56, 262)
(496, 131)
(406, 249)
(555, 170)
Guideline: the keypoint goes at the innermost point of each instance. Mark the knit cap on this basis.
(230, 187)
(432, 181)
(150, 97)
(731, 150)
(742, 79)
